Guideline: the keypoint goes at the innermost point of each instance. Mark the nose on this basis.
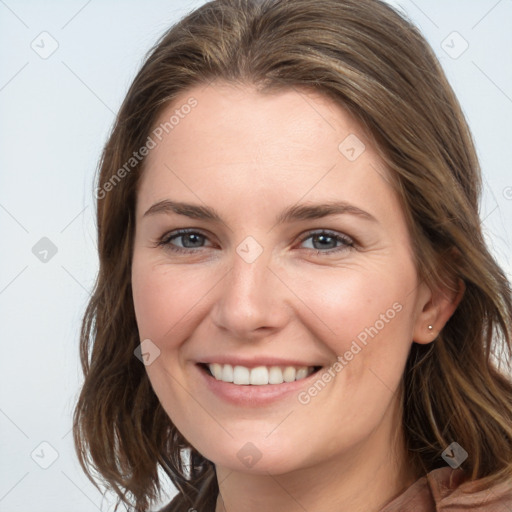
(251, 301)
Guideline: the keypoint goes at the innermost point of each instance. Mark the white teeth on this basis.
(227, 373)
(289, 374)
(302, 373)
(260, 375)
(216, 369)
(241, 375)
(275, 375)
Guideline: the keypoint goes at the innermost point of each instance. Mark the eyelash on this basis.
(347, 242)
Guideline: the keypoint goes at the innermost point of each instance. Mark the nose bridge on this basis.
(250, 295)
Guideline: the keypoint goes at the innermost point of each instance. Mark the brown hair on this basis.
(375, 63)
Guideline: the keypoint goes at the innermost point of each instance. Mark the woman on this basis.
(295, 307)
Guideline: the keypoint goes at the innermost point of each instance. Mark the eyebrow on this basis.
(293, 213)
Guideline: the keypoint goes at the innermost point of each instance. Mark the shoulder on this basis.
(451, 491)
(446, 489)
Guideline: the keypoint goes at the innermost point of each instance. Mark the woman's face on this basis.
(296, 258)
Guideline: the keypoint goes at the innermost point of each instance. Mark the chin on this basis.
(253, 453)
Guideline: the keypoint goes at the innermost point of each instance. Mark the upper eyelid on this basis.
(329, 232)
(177, 233)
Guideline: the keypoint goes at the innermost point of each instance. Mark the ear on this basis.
(435, 307)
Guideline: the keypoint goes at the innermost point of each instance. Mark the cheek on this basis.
(164, 300)
(365, 318)
(357, 303)
(163, 297)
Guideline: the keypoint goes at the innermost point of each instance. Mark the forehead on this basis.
(226, 112)
(221, 139)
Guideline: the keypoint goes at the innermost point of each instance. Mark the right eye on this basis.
(190, 240)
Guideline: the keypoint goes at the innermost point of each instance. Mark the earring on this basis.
(430, 328)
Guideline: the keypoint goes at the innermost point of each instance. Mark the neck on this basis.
(363, 480)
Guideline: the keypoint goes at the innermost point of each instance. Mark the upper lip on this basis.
(254, 362)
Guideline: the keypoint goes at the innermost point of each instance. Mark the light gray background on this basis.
(56, 113)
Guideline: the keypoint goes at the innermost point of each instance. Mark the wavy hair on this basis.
(374, 62)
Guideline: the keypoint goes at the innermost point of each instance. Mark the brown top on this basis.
(441, 490)
(444, 490)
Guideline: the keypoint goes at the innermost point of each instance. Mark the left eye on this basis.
(325, 241)
(322, 241)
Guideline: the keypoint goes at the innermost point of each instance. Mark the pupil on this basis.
(189, 237)
(324, 238)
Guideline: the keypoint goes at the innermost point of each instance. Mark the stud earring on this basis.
(430, 327)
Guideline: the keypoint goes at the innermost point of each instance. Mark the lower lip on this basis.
(251, 395)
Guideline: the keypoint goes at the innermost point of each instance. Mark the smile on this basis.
(256, 383)
(259, 375)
